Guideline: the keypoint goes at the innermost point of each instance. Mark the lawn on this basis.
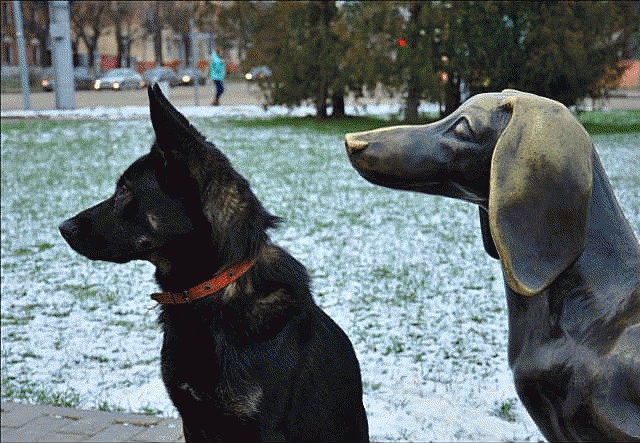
(404, 274)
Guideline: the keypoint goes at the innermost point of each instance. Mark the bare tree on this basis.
(238, 21)
(178, 19)
(121, 14)
(153, 23)
(88, 21)
(36, 24)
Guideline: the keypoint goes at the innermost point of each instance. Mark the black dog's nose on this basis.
(69, 229)
(353, 145)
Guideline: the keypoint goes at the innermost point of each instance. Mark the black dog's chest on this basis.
(202, 370)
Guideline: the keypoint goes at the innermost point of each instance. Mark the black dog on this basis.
(570, 259)
(247, 354)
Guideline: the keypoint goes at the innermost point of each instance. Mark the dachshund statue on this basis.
(570, 260)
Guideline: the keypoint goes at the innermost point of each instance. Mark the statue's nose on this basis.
(354, 145)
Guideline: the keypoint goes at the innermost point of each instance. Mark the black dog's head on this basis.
(524, 159)
(184, 192)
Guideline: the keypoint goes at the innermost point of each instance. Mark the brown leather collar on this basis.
(221, 280)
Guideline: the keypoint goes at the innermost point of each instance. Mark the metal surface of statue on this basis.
(570, 259)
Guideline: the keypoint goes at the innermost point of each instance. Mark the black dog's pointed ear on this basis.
(173, 132)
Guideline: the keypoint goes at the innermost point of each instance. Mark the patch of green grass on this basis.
(30, 354)
(396, 347)
(59, 314)
(97, 358)
(12, 320)
(31, 307)
(81, 292)
(595, 122)
(13, 336)
(404, 296)
(349, 124)
(149, 410)
(22, 251)
(66, 399)
(610, 122)
(44, 246)
(89, 292)
(106, 407)
(9, 266)
(15, 389)
(128, 325)
(597, 129)
(505, 410)
(373, 386)
(382, 272)
(143, 362)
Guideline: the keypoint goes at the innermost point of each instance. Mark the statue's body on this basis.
(570, 259)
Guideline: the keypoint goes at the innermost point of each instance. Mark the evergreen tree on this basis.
(571, 48)
(415, 62)
(320, 51)
(562, 50)
(302, 44)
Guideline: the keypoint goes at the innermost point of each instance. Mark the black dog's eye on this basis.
(123, 191)
(462, 129)
(122, 197)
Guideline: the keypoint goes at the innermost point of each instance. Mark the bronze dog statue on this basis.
(570, 259)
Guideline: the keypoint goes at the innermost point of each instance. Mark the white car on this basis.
(120, 78)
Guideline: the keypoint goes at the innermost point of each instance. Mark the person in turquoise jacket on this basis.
(216, 73)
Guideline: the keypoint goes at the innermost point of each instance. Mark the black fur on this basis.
(258, 360)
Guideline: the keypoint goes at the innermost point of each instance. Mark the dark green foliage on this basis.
(303, 44)
(562, 50)
(569, 50)
(321, 51)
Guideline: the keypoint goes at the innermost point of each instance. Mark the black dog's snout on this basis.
(71, 229)
(68, 229)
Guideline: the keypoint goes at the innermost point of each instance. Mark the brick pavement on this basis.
(38, 423)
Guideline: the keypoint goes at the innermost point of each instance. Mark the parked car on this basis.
(187, 76)
(82, 79)
(160, 74)
(119, 78)
(258, 73)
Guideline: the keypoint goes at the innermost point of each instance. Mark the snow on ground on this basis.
(405, 275)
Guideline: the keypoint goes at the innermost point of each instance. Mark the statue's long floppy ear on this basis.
(539, 191)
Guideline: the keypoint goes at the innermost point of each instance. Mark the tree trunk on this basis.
(452, 97)
(413, 83)
(337, 102)
(188, 53)
(119, 45)
(321, 107)
(157, 21)
(92, 54)
(412, 102)
(157, 44)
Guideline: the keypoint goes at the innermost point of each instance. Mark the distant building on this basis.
(631, 77)
(137, 46)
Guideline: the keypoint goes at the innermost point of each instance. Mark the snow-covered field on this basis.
(405, 275)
